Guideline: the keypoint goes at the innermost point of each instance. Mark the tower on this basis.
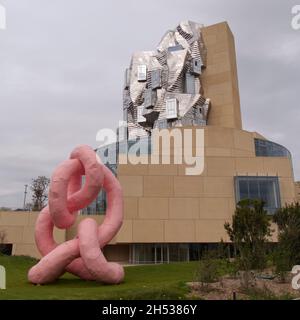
(162, 88)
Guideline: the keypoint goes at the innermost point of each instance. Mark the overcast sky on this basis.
(62, 64)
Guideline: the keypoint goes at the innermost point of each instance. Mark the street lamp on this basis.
(25, 194)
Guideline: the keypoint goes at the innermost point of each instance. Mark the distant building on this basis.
(189, 82)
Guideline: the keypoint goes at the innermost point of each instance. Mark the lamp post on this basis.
(25, 194)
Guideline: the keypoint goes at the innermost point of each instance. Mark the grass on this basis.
(166, 281)
(154, 282)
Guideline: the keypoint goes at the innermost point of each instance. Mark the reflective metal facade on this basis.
(172, 72)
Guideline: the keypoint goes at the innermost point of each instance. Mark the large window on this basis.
(142, 253)
(99, 205)
(263, 188)
(109, 157)
(265, 148)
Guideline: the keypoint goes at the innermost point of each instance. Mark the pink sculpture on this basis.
(81, 256)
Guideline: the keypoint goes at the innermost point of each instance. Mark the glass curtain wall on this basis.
(262, 188)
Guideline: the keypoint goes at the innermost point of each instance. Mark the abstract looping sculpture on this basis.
(81, 256)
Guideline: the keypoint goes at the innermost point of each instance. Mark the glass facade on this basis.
(138, 146)
(265, 148)
(6, 248)
(98, 206)
(109, 156)
(159, 252)
(143, 253)
(263, 188)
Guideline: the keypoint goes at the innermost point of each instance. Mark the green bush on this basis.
(249, 233)
(287, 253)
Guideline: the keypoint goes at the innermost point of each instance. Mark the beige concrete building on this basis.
(169, 215)
(297, 190)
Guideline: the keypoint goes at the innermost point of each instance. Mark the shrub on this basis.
(249, 231)
(287, 253)
(207, 271)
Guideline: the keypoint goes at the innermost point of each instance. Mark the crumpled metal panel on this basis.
(173, 71)
(168, 40)
(176, 63)
(155, 79)
(150, 97)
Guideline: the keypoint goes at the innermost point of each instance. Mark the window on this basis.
(6, 248)
(171, 252)
(263, 188)
(175, 48)
(196, 66)
(155, 79)
(99, 205)
(125, 147)
(171, 108)
(190, 83)
(150, 97)
(140, 117)
(265, 148)
(142, 72)
(159, 252)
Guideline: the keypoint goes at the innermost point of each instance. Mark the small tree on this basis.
(207, 270)
(287, 253)
(5, 209)
(249, 231)
(39, 188)
(28, 206)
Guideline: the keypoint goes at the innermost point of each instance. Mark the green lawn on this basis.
(141, 282)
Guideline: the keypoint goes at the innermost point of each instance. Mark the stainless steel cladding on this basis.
(127, 78)
(150, 98)
(162, 88)
(155, 78)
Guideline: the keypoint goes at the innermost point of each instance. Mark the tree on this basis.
(207, 270)
(287, 253)
(39, 188)
(5, 209)
(28, 206)
(249, 233)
